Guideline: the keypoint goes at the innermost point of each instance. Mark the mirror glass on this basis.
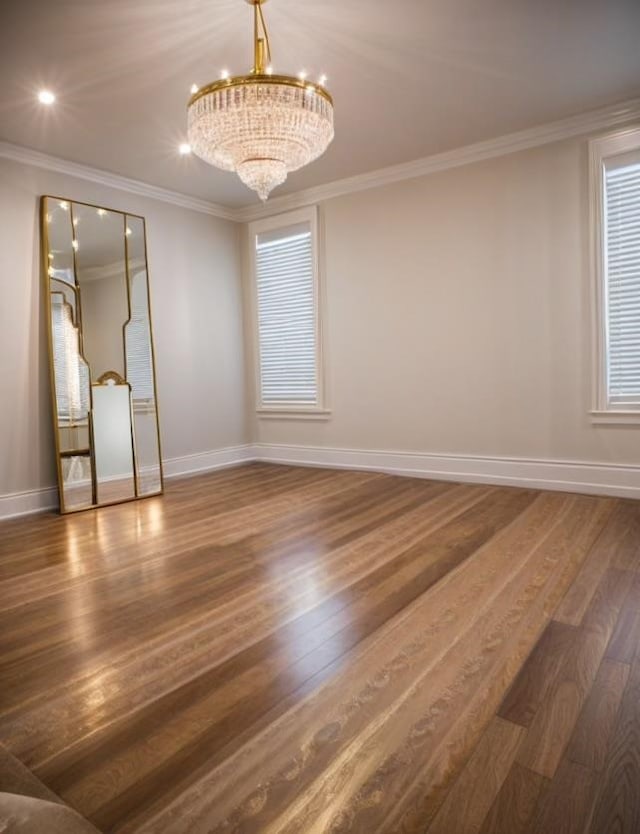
(102, 365)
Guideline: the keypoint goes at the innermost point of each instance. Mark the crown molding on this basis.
(584, 123)
(28, 156)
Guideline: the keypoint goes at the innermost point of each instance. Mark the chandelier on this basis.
(260, 125)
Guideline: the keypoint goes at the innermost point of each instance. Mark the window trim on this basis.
(293, 410)
(600, 150)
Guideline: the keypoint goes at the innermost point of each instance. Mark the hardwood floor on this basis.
(271, 649)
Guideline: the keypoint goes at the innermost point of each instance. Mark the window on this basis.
(287, 314)
(616, 179)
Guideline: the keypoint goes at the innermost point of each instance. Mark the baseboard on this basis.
(30, 501)
(566, 476)
(207, 461)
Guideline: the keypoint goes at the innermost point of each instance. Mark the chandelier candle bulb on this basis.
(260, 125)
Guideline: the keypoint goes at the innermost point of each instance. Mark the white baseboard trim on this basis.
(15, 504)
(566, 476)
(29, 501)
(207, 461)
(616, 480)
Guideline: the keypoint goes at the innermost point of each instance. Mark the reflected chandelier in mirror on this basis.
(101, 355)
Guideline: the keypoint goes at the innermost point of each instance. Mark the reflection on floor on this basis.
(271, 649)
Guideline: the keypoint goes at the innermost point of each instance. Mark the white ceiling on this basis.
(409, 77)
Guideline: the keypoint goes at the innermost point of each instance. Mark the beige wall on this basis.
(458, 316)
(197, 319)
(457, 319)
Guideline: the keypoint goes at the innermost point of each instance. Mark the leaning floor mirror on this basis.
(101, 354)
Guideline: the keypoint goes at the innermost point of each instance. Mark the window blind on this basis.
(70, 372)
(622, 258)
(138, 338)
(287, 317)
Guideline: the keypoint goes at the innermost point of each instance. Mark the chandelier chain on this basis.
(259, 23)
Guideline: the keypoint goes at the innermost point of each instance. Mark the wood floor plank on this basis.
(618, 807)
(566, 805)
(534, 680)
(480, 780)
(515, 805)
(590, 740)
(627, 556)
(624, 645)
(282, 650)
(611, 547)
(552, 726)
(625, 640)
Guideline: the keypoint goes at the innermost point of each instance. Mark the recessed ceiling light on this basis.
(302, 75)
(322, 80)
(194, 89)
(185, 148)
(46, 97)
(224, 74)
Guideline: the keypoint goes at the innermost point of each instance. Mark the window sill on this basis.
(294, 413)
(616, 418)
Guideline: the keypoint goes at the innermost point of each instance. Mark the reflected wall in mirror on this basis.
(101, 354)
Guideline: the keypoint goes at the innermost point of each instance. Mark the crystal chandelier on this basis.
(260, 125)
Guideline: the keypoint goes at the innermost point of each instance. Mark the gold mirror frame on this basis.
(109, 378)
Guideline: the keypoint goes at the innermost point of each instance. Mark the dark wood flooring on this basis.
(272, 649)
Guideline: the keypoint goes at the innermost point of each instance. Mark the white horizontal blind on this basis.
(138, 341)
(70, 372)
(286, 301)
(622, 259)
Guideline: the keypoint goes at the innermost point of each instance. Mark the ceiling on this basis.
(409, 77)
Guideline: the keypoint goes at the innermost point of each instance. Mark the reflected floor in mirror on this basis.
(277, 649)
